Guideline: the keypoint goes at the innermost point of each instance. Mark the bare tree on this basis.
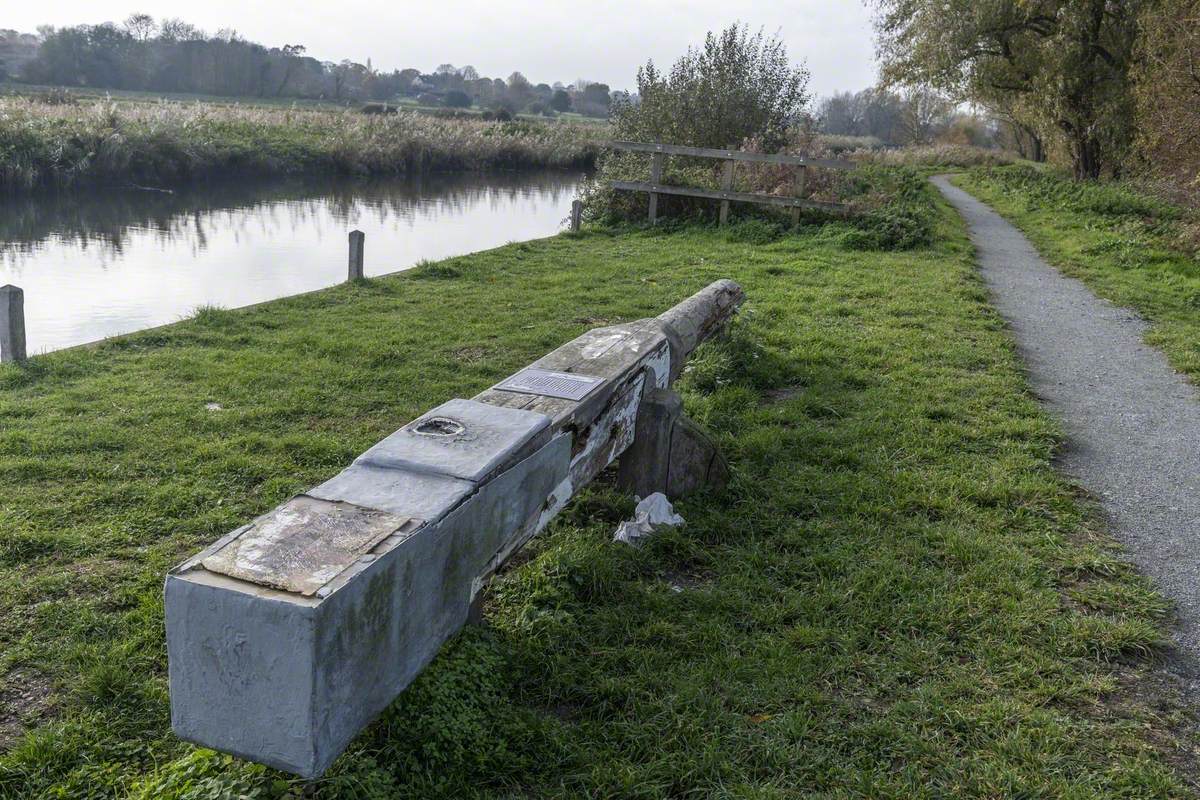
(141, 26)
(176, 30)
(926, 113)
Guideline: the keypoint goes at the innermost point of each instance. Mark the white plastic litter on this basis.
(651, 514)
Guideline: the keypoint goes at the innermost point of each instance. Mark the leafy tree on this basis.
(16, 49)
(519, 90)
(1062, 65)
(345, 77)
(561, 101)
(141, 26)
(736, 86)
(1021, 133)
(924, 115)
(456, 98)
(598, 93)
(290, 53)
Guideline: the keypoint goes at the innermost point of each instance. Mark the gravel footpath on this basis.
(1132, 422)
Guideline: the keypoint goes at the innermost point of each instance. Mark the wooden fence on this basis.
(725, 194)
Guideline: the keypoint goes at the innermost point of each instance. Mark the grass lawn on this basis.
(897, 596)
(1125, 245)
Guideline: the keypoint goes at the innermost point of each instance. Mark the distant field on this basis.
(86, 95)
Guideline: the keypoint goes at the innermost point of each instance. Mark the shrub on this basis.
(737, 86)
(892, 209)
(738, 89)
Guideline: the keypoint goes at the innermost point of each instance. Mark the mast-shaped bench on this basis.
(290, 634)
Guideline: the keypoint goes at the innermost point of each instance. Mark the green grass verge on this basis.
(1130, 248)
(896, 597)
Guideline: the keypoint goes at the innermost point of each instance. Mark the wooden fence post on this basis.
(801, 176)
(12, 323)
(726, 185)
(576, 215)
(656, 171)
(357, 240)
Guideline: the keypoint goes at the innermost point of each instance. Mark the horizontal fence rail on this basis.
(717, 194)
(732, 155)
(659, 152)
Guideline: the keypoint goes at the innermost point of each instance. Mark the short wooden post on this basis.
(801, 176)
(645, 467)
(656, 171)
(726, 185)
(357, 240)
(12, 323)
(576, 215)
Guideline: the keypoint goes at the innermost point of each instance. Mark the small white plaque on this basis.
(563, 385)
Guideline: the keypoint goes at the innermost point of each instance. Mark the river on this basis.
(97, 263)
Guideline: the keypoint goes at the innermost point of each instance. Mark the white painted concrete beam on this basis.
(286, 637)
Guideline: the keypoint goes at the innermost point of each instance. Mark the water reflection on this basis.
(94, 264)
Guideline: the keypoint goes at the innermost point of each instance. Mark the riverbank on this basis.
(164, 144)
(898, 596)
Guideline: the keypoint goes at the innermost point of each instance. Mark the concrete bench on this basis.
(289, 635)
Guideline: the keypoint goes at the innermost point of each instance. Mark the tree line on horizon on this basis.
(144, 54)
(879, 117)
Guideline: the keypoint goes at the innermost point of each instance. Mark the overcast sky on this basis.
(602, 40)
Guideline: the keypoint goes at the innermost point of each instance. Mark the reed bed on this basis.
(935, 155)
(49, 144)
